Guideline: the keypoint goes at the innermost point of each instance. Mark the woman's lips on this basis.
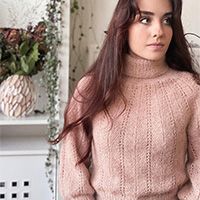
(156, 46)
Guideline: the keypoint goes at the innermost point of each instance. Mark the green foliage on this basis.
(22, 51)
(74, 6)
(51, 67)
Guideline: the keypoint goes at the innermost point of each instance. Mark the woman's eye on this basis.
(167, 21)
(144, 20)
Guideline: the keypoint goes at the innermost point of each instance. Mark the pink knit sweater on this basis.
(151, 151)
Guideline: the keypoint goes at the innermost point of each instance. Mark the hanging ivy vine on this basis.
(51, 81)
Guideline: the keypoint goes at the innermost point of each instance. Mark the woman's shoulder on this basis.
(187, 77)
(83, 82)
(81, 87)
(189, 82)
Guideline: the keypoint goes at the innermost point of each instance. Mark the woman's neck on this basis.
(138, 67)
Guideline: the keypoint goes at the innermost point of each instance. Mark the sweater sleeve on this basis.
(191, 189)
(74, 179)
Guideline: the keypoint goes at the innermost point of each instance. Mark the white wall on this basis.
(15, 14)
(191, 18)
(103, 11)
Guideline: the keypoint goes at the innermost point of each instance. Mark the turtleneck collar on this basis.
(138, 67)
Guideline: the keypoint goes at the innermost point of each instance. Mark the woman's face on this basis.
(150, 34)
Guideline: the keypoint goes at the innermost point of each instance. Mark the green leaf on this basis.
(13, 58)
(35, 52)
(33, 57)
(28, 61)
(24, 65)
(31, 64)
(1, 53)
(12, 67)
(20, 72)
(24, 48)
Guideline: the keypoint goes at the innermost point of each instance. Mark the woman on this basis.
(135, 115)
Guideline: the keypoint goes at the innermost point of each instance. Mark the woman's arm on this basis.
(191, 190)
(74, 179)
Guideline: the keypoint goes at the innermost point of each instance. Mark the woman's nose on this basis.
(157, 30)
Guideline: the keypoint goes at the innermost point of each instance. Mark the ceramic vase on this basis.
(17, 96)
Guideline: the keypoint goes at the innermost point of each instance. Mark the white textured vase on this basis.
(17, 96)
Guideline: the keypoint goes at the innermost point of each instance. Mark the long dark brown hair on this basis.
(104, 76)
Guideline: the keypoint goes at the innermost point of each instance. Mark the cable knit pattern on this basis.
(151, 151)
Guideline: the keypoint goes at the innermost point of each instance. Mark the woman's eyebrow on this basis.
(168, 14)
(151, 13)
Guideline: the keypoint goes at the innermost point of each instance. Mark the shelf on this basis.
(33, 119)
(24, 153)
